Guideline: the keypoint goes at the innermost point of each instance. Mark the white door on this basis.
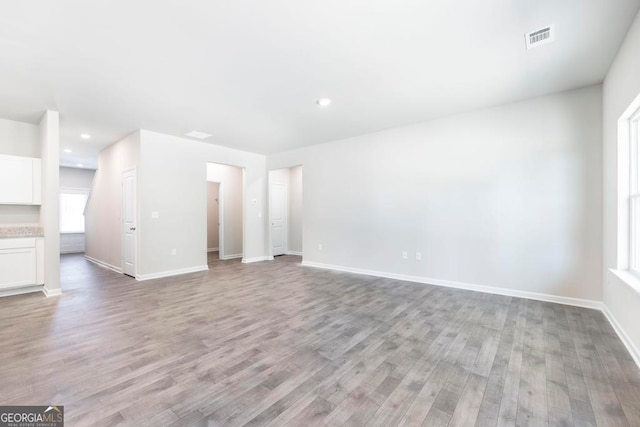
(279, 208)
(129, 223)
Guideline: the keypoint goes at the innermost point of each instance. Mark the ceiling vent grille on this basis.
(540, 37)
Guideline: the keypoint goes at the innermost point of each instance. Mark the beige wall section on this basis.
(50, 209)
(76, 178)
(231, 179)
(19, 139)
(18, 214)
(103, 226)
(178, 191)
(295, 209)
(506, 197)
(620, 88)
(213, 215)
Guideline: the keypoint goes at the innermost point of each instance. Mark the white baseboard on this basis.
(73, 251)
(294, 253)
(22, 290)
(578, 302)
(51, 292)
(633, 350)
(461, 285)
(256, 259)
(228, 257)
(212, 250)
(150, 276)
(103, 264)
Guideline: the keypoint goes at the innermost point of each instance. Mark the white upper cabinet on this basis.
(20, 180)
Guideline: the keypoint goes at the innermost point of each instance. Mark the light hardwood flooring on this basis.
(274, 343)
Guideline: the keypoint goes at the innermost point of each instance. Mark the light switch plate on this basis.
(155, 215)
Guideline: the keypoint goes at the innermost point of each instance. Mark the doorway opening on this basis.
(285, 211)
(225, 195)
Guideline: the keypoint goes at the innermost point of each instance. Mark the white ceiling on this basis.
(249, 71)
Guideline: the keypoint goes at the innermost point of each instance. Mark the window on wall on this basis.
(634, 196)
(72, 203)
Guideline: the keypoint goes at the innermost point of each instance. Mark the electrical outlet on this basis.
(405, 255)
(319, 246)
(174, 251)
(418, 256)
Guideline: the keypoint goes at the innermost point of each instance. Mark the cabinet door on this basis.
(17, 267)
(16, 180)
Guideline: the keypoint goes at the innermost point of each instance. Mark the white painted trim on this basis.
(71, 252)
(51, 292)
(103, 264)
(21, 290)
(197, 269)
(297, 253)
(630, 279)
(633, 350)
(212, 250)
(256, 259)
(461, 285)
(228, 257)
(577, 302)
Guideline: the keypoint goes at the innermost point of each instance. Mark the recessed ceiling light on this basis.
(197, 134)
(80, 165)
(85, 136)
(66, 150)
(323, 102)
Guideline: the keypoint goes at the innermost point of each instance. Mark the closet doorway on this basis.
(225, 194)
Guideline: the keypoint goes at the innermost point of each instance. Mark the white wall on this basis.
(19, 139)
(506, 197)
(103, 226)
(50, 208)
(77, 179)
(213, 219)
(295, 209)
(231, 179)
(173, 181)
(620, 87)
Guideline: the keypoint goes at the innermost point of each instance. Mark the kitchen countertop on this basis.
(14, 231)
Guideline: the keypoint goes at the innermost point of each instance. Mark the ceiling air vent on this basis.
(540, 37)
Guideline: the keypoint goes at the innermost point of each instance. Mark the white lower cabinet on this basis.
(19, 262)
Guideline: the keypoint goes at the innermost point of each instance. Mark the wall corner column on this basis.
(50, 209)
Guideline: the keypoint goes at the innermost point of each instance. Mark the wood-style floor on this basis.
(274, 343)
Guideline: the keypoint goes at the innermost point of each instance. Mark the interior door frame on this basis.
(220, 218)
(135, 204)
(286, 226)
